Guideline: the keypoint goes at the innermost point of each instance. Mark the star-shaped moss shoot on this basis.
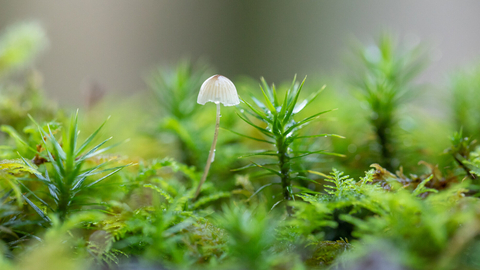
(217, 89)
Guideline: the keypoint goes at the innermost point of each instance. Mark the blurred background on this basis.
(113, 44)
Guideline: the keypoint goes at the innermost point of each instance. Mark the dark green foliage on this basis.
(326, 252)
(430, 231)
(319, 216)
(12, 223)
(464, 86)
(281, 131)
(250, 236)
(474, 162)
(384, 79)
(460, 151)
(176, 92)
(69, 177)
(156, 220)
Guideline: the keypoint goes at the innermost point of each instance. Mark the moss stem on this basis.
(284, 163)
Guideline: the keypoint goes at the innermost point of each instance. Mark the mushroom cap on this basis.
(220, 89)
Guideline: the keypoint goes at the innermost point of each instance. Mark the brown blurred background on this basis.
(116, 42)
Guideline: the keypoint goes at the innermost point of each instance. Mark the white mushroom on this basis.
(217, 89)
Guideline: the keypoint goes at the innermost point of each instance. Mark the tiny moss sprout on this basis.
(217, 89)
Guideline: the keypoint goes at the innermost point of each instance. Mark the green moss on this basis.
(409, 205)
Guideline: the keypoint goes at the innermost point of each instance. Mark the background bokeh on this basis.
(113, 44)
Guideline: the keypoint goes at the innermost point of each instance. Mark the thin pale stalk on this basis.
(211, 154)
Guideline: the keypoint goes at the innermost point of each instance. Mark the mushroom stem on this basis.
(211, 154)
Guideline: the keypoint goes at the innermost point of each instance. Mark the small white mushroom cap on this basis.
(220, 89)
